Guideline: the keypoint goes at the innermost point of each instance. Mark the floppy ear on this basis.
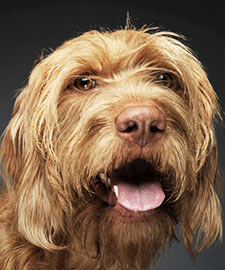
(201, 219)
(30, 169)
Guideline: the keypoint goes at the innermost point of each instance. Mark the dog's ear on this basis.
(201, 219)
(29, 166)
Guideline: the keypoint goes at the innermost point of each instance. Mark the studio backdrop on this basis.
(29, 29)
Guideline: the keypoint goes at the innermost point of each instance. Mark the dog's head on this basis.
(119, 126)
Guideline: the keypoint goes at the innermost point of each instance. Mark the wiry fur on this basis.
(59, 139)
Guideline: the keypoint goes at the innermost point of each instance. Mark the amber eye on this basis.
(166, 80)
(84, 83)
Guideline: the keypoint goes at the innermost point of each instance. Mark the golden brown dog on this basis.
(110, 146)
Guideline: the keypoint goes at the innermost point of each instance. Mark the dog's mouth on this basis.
(135, 186)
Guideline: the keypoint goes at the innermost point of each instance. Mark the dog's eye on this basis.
(84, 83)
(166, 80)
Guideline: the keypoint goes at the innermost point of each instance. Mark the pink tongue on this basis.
(144, 197)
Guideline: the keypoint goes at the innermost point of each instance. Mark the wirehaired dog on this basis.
(110, 146)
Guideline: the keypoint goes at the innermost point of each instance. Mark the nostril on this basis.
(155, 129)
(128, 126)
(131, 126)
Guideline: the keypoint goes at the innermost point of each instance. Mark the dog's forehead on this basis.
(109, 46)
(118, 40)
(123, 46)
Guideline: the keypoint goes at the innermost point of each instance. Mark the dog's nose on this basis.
(141, 125)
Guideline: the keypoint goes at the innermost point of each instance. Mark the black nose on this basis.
(140, 125)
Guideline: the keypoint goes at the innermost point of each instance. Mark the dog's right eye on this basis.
(84, 84)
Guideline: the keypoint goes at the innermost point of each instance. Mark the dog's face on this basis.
(113, 136)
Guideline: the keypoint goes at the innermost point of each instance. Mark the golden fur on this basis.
(59, 139)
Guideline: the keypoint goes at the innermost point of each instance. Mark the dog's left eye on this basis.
(84, 83)
(166, 80)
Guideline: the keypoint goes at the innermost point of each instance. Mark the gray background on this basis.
(26, 27)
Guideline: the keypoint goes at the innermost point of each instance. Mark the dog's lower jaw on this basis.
(120, 236)
(117, 240)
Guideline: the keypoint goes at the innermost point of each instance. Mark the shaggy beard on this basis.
(123, 239)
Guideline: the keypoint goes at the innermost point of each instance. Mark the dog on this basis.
(110, 147)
